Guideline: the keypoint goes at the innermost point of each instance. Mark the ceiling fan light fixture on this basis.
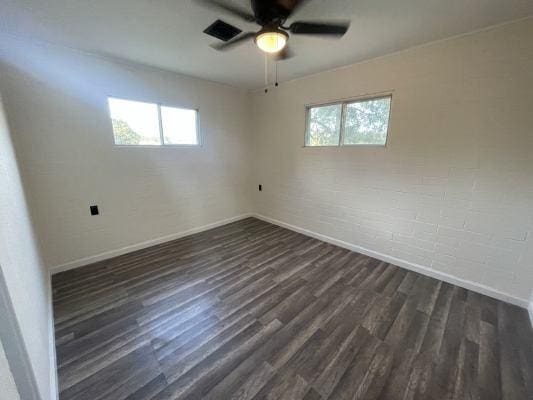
(272, 40)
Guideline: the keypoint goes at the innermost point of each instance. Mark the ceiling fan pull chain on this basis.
(266, 73)
(276, 73)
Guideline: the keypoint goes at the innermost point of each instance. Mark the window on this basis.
(179, 126)
(148, 124)
(325, 125)
(358, 122)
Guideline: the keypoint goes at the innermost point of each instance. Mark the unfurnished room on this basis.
(266, 199)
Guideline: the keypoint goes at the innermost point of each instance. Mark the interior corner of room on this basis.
(146, 179)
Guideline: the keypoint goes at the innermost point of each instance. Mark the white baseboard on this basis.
(138, 246)
(54, 387)
(474, 286)
(530, 311)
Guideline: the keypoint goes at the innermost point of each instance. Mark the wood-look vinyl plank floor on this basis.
(251, 310)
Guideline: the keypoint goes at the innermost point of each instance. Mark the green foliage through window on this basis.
(325, 125)
(136, 123)
(124, 134)
(359, 122)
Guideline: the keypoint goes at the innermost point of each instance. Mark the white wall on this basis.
(453, 189)
(26, 278)
(57, 106)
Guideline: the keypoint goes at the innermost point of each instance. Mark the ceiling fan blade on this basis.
(238, 40)
(319, 28)
(284, 54)
(231, 9)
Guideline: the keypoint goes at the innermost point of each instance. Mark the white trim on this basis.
(15, 347)
(474, 286)
(54, 387)
(530, 310)
(138, 246)
(160, 118)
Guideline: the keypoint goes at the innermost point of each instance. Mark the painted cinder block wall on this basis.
(24, 282)
(56, 100)
(451, 193)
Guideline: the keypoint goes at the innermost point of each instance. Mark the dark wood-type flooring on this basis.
(254, 311)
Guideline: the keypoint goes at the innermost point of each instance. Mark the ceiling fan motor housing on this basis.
(271, 15)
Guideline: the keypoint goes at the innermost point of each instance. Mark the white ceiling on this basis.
(168, 33)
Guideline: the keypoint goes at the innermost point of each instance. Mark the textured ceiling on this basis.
(168, 33)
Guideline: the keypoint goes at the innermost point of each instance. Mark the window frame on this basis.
(344, 103)
(308, 117)
(160, 124)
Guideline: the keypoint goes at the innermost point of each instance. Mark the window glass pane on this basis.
(134, 123)
(366, 122)
(179, 126)
(324, 125)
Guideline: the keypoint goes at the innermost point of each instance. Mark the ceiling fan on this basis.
(271, 15)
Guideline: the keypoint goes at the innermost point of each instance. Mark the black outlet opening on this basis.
(94, 210)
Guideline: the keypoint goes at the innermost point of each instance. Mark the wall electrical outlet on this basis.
(94, 210)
